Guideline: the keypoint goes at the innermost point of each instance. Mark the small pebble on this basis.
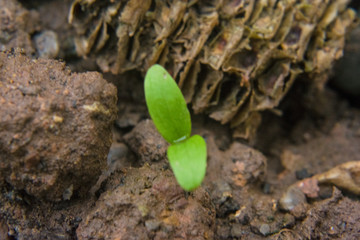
(117, 151)
(267, 188)
(47, 44)
(68, 192)
(292, 198)
(152, 224)
(326, 191)
(288, 220)
(302, 174)
(236, 230)
(265, 229)
(223, 232)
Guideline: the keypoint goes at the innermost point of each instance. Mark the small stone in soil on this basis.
(292, 198)
(264, 229)
(223, 232)
(267, 188)
(152, 224)
(236, 230)
(302, 174)
(46, 44)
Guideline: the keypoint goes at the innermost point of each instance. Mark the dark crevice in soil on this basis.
(353, 100)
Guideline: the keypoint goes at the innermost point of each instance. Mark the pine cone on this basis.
(231, 58)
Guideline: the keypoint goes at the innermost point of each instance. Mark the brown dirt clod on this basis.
(54, 126)
(150, 205)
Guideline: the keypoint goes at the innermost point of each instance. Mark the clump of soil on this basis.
(142, 140)
(149, 204)
(16, 26)
(55, 126)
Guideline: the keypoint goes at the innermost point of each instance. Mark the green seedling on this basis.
(168, 110)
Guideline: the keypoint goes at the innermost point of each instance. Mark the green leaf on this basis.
(188, 162)
(166, 104)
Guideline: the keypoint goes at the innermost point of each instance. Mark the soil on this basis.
(62, 178)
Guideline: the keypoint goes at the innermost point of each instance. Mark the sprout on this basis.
(168, 110)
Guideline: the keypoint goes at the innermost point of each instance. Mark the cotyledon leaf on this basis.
(188, 162)
(166, 104)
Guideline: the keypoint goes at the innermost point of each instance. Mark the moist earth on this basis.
(81, 159)
(55, 126)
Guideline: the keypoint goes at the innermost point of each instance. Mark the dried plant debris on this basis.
(346, 176)
(230, 58)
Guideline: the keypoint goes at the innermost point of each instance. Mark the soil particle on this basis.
(245, 164)
(265, 229)
(236, 231)
(309, 187)
(47, 44)
(292, 198)
(3, 230)
(118, 156)
(150, 206)
(147, 142)
(16, 26)
(55, 126)
(238, 166)
(301, 174)
(54, 18)
(286, 234)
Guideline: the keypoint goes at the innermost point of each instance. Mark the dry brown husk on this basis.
(230, 58)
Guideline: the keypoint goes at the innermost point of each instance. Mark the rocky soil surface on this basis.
(80, 158)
